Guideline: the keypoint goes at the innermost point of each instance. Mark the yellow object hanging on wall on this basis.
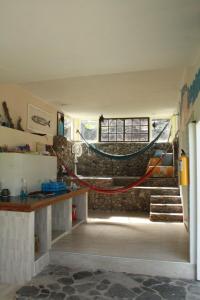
(184, 169)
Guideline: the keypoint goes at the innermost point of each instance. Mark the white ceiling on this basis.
(51, 39)
(144, 93)
(58, 49)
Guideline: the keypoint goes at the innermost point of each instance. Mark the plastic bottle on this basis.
(23, 191)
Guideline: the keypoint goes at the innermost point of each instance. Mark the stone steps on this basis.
(170, 191)
(166, 217)
(165, 199)
(166, 208)
(150, 182)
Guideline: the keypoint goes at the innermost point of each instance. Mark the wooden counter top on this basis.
(33, 203)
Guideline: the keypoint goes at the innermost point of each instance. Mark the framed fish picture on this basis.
(39, 121)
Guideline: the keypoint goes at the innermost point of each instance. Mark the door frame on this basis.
(198, 196)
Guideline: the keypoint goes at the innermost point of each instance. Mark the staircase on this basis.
(166, 207)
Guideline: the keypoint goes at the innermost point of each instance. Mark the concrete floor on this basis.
(127, 235)
(8, 291)
(122, 234)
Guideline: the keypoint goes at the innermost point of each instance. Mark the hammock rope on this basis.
(118, 190)
(121, 156)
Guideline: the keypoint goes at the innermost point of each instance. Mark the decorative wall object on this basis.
(194, 88)
(184, 106)
(39, 121)
(60, 123)
(19, 126)
(7, 115)
(189, 95)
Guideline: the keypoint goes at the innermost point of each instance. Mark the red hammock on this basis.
(112, 191)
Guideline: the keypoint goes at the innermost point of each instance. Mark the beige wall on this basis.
(193, 115)
(17, 100)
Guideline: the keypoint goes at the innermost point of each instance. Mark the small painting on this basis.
(60, 123)
(39, 121)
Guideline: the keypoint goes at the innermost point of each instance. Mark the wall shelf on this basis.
(13, 137)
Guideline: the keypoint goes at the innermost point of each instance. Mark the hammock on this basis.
(122, 189)
(126, 156)
(119, 190)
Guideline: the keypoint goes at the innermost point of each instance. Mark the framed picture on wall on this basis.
(39, 121)
(60, 123)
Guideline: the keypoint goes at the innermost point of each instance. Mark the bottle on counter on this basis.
(23, 191)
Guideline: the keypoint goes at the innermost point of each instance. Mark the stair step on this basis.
(171, 191)
(167, 199)
(151, 181)
(166, 208)
(166, 217)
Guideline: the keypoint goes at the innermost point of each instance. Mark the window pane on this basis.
(120, 122)
(104, 137)
(144, 128)
(128, 129)
(119, 137)
(120, 129)
(127, 137)
(112, 137)
(104, 122)
(128, 122)
(136, 121)
(104, 129)
(112, 122)
(136, 128)
(144, 122)
(144, 137)
(112, 129)
(136, 137)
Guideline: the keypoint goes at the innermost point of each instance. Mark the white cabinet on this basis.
(18, 260)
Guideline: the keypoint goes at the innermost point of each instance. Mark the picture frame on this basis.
(60, 123)
(39, 121)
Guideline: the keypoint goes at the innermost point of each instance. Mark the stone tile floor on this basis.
(59, 282)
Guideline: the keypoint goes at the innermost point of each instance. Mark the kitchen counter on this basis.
(38, 218)
(34, 202)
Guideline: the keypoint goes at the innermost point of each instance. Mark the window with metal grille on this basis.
(124, 130)
(157, 126)
(89, 129)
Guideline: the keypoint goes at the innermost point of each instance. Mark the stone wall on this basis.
(91, 164)
(133, 200)
(64, 150)
(136, 199)
(120, 172)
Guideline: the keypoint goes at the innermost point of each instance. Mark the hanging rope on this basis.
(119, 156)
(116, 190)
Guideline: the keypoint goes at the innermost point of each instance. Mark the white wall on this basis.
(33, 168)
(193, 115)
(17, 99)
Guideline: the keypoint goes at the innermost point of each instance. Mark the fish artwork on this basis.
(41, 121)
